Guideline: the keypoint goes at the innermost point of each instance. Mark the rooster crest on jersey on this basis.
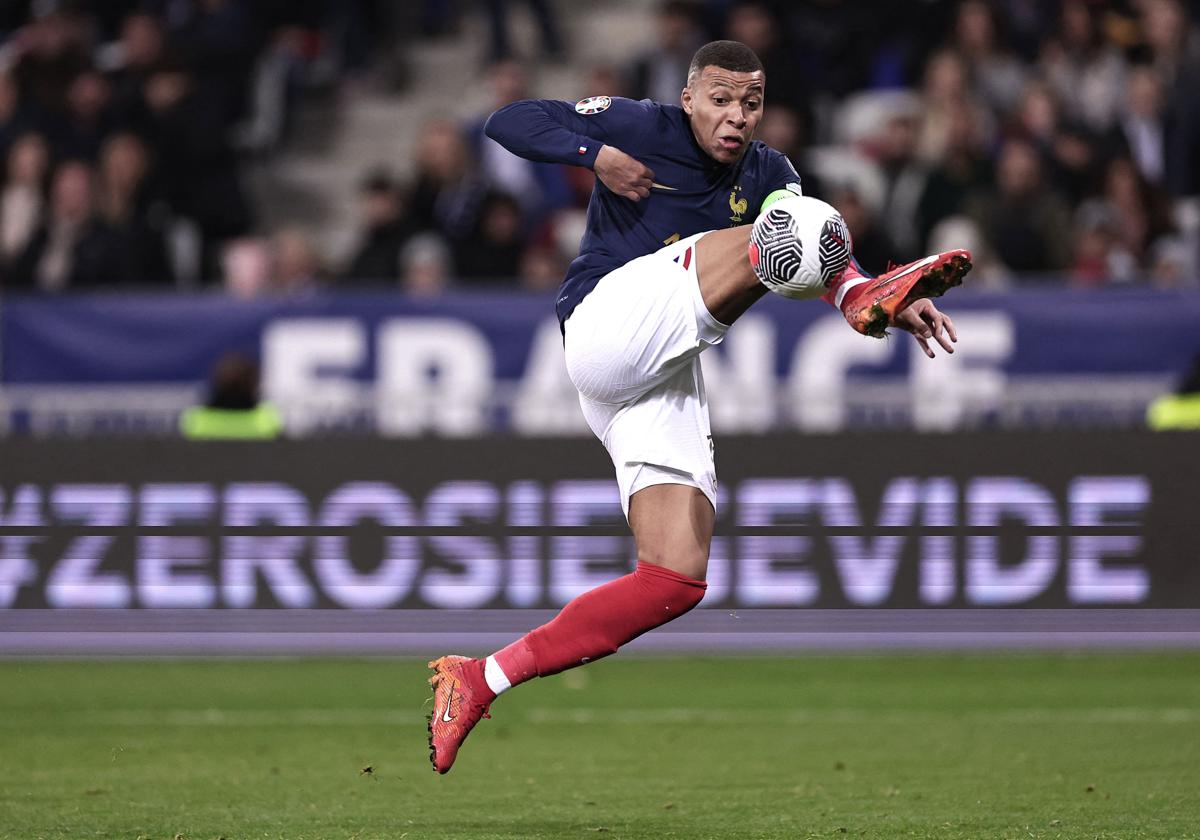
(799, 246)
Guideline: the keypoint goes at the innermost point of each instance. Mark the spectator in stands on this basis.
(385, 229)
(138, 53)
(1085, 71)
(660, 72)
(51, 51)
(1098, 256)
(1174, 45)
(246, 264)
(1068, 154)
(217, 40)
(1142, 211)
(1175, 263)
(997, 74)
(73, 249)
(1141, 132)
(134, 225)
(541, 188)
(88, 119)
(962, 170)
(905, 176)
(425, 265)
(946, 99)
(1024, 219)
(543, 15)
(276, 76)
(297, 264)
(197, 166)
(496, 245)
(448, 193)
(22, 199)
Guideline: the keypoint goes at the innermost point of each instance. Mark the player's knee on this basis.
(685, 598)
(676, 587)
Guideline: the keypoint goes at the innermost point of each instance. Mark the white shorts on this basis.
(633, 351)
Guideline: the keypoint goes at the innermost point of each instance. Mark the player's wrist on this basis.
(589, 152)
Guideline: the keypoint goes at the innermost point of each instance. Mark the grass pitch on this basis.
(901, 746)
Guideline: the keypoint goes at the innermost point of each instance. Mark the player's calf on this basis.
(592, 626)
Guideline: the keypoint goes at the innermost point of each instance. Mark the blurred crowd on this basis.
(125, 126)
(1055, 138)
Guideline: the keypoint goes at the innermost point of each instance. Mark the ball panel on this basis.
(780, 252)
(835, 249)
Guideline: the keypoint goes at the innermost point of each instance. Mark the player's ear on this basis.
(685, 99)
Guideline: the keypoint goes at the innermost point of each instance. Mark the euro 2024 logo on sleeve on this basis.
(593, 104)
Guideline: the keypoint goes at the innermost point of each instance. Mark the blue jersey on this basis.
(692, 193)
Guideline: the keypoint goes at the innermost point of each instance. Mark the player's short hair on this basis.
(728, 55)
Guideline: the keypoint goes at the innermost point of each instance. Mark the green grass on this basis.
(881, 747)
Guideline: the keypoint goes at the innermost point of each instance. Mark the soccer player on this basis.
(665, 266)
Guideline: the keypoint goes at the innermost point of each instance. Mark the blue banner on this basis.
(462, 364)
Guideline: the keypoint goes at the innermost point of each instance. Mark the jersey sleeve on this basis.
(550, 131)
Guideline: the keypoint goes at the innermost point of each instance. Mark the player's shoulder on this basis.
(762, 153)
(633, 123)
(769, 161)
(614, 106)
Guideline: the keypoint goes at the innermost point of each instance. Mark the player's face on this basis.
(725, 107)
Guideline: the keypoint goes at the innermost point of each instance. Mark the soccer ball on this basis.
(798, 246)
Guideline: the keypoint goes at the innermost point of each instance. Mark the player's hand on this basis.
(924, 321)
(622, 174)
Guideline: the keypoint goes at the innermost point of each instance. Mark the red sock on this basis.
(598, 622)
(850, 279)
(516, 661)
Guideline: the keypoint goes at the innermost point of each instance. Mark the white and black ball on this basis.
(798, 246)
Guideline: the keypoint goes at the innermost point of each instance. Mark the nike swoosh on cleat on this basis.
(446, 714)
(921, 264)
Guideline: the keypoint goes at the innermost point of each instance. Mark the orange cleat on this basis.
(457, 706)
(871, 306)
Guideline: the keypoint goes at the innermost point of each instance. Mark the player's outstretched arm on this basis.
(549, 131)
